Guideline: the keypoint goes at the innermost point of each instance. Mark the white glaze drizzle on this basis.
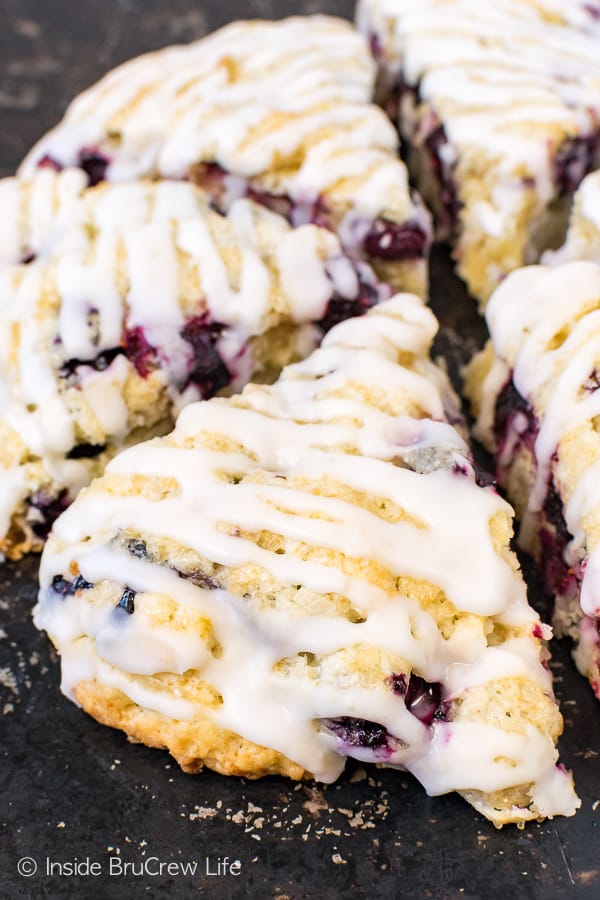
(545, 328)
(297, 429)
(141, 255)
(286, 102)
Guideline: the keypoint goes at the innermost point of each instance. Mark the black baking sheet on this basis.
(75, 794)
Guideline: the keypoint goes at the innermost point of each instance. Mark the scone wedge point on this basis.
(535, 390)
(281, 112)
(309, 571)
(499, 103)
(130, 301)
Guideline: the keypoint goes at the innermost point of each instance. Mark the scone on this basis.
(309, 571)
(583, 236)
(535, 391)
(500, 104)
(139, 298)
(280, 112)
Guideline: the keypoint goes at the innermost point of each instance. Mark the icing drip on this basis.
(260, 464)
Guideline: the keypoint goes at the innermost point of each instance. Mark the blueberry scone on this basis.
(137, 299)
(536, 393)
(309, 571)
(500, 103)
(277, 111)
(583, 236)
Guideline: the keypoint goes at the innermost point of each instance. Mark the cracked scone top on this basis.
(309, 571)
(280, 111)
(137, 299)
(536, 394)
(501, 104)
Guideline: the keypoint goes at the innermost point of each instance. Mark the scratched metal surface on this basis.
(71, 789)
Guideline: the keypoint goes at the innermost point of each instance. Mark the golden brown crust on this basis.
(195, 743)
(20, 540)
(199, 743)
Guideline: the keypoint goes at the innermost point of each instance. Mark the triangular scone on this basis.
(307, 572)
(535, 389)
(139, 298)
(499, 102)
(281, 112)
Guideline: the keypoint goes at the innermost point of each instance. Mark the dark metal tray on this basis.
(76, 793)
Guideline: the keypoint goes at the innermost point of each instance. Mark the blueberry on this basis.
(555, 571)
(390, 240)
(48, 509)
(398, 683)
(127, 601)
(209, 372)
(137, 548)
(65, 588)
(211, 177)
(199, 579)
(94, 164)
(341, 308)
(435, 141)
(277, 203)
(554, 513)
(139, 352)
(61, 586)
(422, 698)
(508, 403)
(100, 363)
(358, 732)
(573, 160)
(80, 584)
